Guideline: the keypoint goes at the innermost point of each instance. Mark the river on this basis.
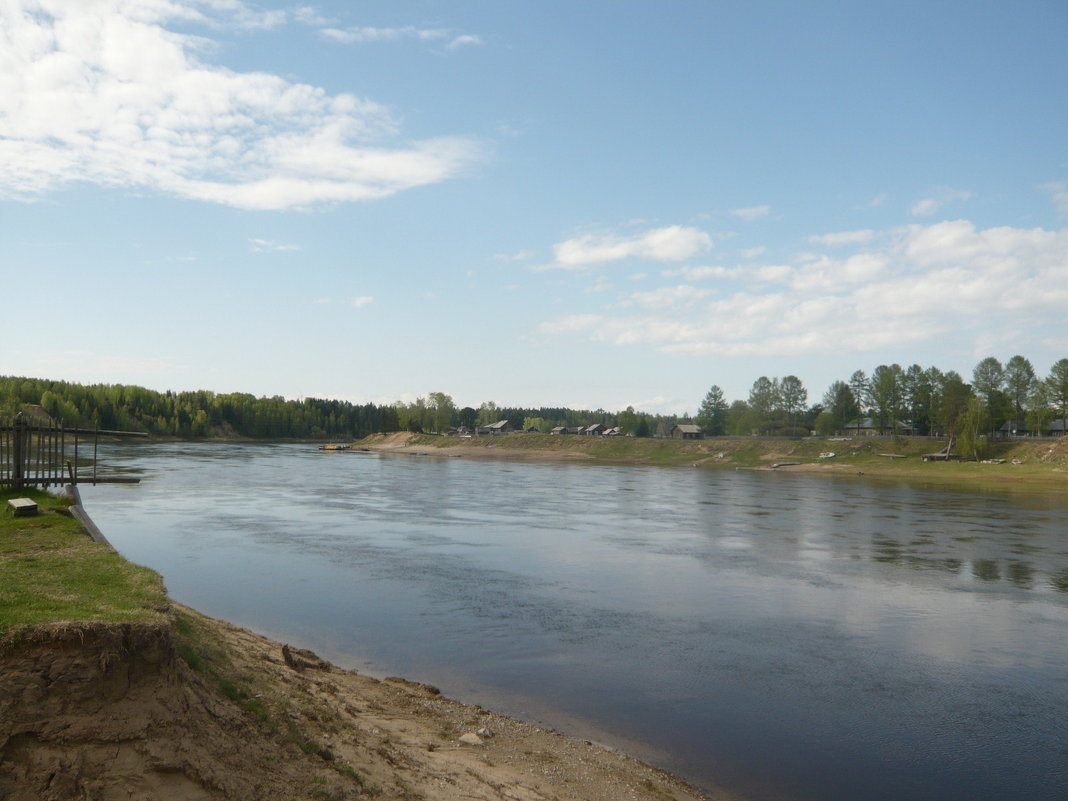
(784, 635)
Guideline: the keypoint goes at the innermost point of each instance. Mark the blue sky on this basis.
(592, 204)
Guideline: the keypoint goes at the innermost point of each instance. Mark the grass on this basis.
(50, 571)
(1043, 466)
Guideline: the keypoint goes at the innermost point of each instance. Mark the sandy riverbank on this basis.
(1032, 466)
(202, 710)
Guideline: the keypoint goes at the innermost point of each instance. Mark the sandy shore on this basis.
(202, 710)
(397, 733)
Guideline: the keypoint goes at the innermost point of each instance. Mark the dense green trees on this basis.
(972, 426)
(712, 415)
(840, 405)
(792, 398)
(775, 406)
(886, 397)
(194, 414)
(927, 401)
(1056, 391)
(1019, 382)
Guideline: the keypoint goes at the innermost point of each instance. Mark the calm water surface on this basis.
(782, 634)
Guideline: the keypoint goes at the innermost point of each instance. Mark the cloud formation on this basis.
(672, 243)
(267, 246)
(928, 206)
(1058, 192)
(842, 238)
(365, 35)
(902, 286)
(752, 212)
(103, 92)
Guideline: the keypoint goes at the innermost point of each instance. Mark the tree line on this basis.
(210, 415)
(197, 415)
(915, 399)
(918, 400)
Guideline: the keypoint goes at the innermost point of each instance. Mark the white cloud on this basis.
(670, 296)
(672, 243)
(915, 284)
(571, 324)
(362, 300)
(752, 212)
(752, 253)
(361, 35)
(924, 208)
(601, 286)
(103, 92)
(842, 238)
(1058, 192)
(464, 40)
(701, 273)
(267, 246)
(365, 35)
(761, 274)
(522, 255)
(931, 205)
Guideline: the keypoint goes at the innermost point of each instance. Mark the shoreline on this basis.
(187, 707)
(1042, 468)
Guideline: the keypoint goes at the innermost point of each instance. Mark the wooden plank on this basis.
(23, 507)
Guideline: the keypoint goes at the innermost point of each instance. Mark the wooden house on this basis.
(500, 427)
(686, 431)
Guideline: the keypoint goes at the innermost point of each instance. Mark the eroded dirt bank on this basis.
(199, 709)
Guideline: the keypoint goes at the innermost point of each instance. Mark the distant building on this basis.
(595, 430)
(1014, 428)
(500, 427)
(686, 431)
(864, 427)
(559, 430)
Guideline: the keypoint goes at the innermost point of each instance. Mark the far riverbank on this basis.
(1037, 465)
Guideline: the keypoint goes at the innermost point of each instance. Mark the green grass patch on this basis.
(50, 571)
(1041, 466)
(205, 654)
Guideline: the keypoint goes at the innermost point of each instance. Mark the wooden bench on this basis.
(22, 506)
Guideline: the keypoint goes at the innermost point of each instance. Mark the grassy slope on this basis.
(50, 571)
(1043, 464)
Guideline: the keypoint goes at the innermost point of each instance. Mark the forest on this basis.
(209, 415)
(1011, 398)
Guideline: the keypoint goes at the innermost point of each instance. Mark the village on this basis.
(677, 431)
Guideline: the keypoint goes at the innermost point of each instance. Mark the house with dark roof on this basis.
(1014, 428)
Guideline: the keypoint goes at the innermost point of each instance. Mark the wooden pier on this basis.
(42, 452)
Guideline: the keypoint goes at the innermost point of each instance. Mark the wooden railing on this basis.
(36, 452)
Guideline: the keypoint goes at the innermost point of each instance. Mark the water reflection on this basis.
(816, 637)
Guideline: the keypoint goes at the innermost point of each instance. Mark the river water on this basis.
(784, 635)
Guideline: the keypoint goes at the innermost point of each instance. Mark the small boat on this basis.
(333, 447)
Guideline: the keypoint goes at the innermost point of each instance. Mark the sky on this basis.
(584, 204)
